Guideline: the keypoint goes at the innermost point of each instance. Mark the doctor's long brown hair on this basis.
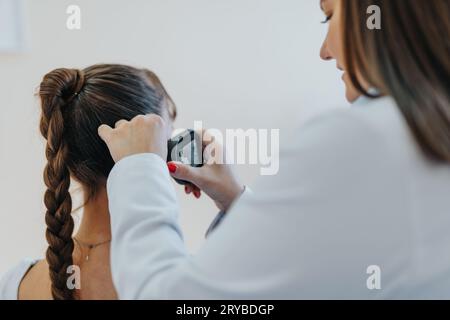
(74, 104)
(408, 59)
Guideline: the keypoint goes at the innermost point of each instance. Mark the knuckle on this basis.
(113, 134)
(156, 119)
(139, 119)
(118, 123)
(103, 130)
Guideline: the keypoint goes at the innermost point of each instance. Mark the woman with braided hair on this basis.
(74, 104)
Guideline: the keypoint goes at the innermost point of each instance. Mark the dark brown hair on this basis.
(74, 104)
(408, 59)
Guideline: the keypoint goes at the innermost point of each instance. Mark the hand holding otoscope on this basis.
(189, 165)
(147, 134)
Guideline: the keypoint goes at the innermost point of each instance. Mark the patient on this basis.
(74, 104)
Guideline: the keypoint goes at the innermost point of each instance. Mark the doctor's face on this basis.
(332, 48)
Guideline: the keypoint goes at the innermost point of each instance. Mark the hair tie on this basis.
(79, 85)
(80, 82)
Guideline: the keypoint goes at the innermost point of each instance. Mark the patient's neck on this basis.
(95, 226)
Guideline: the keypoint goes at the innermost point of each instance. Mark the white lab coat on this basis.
(353, 194)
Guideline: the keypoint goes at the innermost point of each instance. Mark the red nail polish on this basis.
(172, 167)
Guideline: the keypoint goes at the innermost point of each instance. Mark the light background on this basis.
(11, 22)
(230, 63)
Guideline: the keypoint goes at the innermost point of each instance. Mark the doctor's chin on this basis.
(225, 159)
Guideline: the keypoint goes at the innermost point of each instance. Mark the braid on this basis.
(55, 94)
(58, 217)
(74, 104)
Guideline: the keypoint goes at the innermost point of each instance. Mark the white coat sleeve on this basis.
(306, 232)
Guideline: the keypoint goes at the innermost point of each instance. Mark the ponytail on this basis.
(74, 104)
(57, 91)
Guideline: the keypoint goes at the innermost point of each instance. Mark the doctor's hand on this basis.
(143, 134)
(214, 178)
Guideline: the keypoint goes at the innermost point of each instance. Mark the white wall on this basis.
(230, 63)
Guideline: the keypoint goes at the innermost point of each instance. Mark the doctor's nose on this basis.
(324, 53)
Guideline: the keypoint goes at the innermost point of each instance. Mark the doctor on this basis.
(359, 208)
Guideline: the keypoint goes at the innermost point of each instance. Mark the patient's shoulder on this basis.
(12, 279)
(36, 284)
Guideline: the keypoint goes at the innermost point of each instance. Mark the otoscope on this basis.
(186, 148)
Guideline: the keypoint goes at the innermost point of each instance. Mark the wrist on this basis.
(236, 193)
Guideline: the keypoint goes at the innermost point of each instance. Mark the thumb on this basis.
(104, 131)
(182, 171)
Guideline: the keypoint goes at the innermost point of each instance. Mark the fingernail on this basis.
(172, 167)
